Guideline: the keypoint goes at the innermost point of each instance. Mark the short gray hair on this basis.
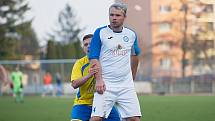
(119, 6)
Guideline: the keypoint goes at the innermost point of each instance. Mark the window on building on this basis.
(198, 61)
(208, 8)
(165, 63)
(210, 26)
(209, 44)
(165, 45)
(165, 9)
(165, 27)
(211, 60)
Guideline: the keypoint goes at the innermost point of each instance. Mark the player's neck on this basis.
(116, 29)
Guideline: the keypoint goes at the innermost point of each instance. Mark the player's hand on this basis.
(100, 86)
(93, 69)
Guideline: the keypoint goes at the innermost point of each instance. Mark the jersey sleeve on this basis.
(76, 71)
(95, 46)
(135, 50)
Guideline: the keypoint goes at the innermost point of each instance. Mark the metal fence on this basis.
(189, 85)
(35, 70)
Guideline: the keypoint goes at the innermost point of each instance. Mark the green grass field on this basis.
(154, 108)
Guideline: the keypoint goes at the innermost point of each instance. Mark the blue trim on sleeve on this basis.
(82, 72)
(136, 48)
(95, 45)
(83, 67)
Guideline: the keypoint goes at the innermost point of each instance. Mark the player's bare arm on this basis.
(79, 82)
(100, 85)
(134, 65)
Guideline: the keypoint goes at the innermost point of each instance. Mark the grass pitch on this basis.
(154, 108)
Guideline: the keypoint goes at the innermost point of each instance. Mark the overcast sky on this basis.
(90, 13)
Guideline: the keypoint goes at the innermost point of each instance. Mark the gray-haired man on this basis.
(114, 50)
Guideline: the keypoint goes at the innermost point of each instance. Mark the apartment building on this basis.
(166, 29)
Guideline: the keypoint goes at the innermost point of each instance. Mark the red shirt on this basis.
(47, 79)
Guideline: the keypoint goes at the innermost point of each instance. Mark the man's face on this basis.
(116, 17)
(86, 43)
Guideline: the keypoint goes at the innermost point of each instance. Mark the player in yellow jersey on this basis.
(82, 77)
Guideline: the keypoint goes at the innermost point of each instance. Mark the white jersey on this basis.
(113, 50)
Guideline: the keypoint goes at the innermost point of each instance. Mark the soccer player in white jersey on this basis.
(114, 50)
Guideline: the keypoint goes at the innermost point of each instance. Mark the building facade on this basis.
(171, 33)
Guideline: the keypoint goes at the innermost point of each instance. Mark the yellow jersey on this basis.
(85, 92)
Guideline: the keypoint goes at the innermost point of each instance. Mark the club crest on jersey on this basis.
(125, 39)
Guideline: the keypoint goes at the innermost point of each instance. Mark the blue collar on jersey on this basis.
(115, 31)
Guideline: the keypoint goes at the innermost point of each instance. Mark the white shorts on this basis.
(125, 100)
